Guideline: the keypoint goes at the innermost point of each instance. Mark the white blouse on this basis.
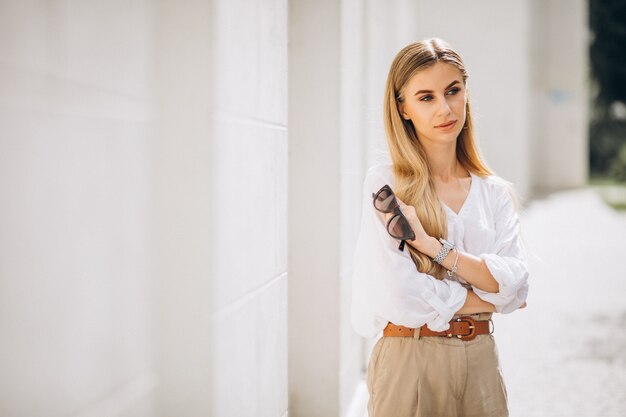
(386, 285)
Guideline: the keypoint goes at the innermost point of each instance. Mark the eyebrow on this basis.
(430, 91)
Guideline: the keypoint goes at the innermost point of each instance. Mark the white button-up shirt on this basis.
(386, 285)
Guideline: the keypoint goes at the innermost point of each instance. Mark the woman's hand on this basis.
(421, 236)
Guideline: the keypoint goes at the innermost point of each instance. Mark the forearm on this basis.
(474, 304)
(469, 267)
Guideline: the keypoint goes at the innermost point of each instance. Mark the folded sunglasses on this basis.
(398, 225)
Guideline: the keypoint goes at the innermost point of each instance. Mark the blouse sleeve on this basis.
(507, 261)
(386, 285)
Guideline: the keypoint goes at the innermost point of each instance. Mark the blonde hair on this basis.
(412, 176)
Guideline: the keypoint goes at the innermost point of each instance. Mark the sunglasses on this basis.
(398, 225)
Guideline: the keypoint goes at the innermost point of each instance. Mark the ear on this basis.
(404, 115)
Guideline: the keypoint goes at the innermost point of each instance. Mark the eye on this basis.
(454, 90)
(426, 98)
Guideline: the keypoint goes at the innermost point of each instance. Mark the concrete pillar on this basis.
(314, 207)
(559, 93)
(75, 133)
(353, 75)
(183, 201)
(249, 177)
(389, 27)
(380, 42)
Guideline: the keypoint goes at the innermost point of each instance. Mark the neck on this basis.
(443, 162)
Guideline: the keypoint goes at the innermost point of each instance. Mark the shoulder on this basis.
(500, 190)
(379, 175)
(383, 169)
(496, 183)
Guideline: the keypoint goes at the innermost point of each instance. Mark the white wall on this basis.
(183, 210)
(388, 30)
(352, 155)
(559, 78)
(127, 242)
(75, 117)
(314, 207)
(249, 175)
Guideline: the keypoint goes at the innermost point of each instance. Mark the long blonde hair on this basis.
(413, 182)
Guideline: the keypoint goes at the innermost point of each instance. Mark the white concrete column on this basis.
(250, 192)
(75, 116)
(388, 28)
(352, 143)
(314, 207)
(183, 220)
(380, 48)
(559, 93)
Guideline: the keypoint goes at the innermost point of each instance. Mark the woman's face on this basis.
(433, 98)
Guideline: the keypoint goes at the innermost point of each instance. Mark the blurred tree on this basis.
(607, 20)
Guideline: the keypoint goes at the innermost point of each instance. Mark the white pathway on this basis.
(565, 354)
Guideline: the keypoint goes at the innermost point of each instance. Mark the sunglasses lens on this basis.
(399, 228)
(384, 201)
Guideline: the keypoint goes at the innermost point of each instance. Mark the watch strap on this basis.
(443, 252)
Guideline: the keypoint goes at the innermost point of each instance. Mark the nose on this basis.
(444, 108)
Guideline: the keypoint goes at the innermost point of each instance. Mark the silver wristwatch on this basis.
(445, 249)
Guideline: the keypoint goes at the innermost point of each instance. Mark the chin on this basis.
(453, 134)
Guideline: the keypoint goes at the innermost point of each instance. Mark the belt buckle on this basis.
(472, 326)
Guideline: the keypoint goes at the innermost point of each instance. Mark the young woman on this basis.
(433, 298)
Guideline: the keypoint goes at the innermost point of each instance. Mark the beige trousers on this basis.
(435, 377)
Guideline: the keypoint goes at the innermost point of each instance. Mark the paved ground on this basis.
(565, 355)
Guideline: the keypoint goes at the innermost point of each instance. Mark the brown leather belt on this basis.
(464, 328)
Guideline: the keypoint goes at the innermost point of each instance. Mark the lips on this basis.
(447, 124)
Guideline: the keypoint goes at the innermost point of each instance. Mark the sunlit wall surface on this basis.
(75, 294)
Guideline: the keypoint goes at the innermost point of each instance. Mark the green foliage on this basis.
(617, 169)
(607, 137)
